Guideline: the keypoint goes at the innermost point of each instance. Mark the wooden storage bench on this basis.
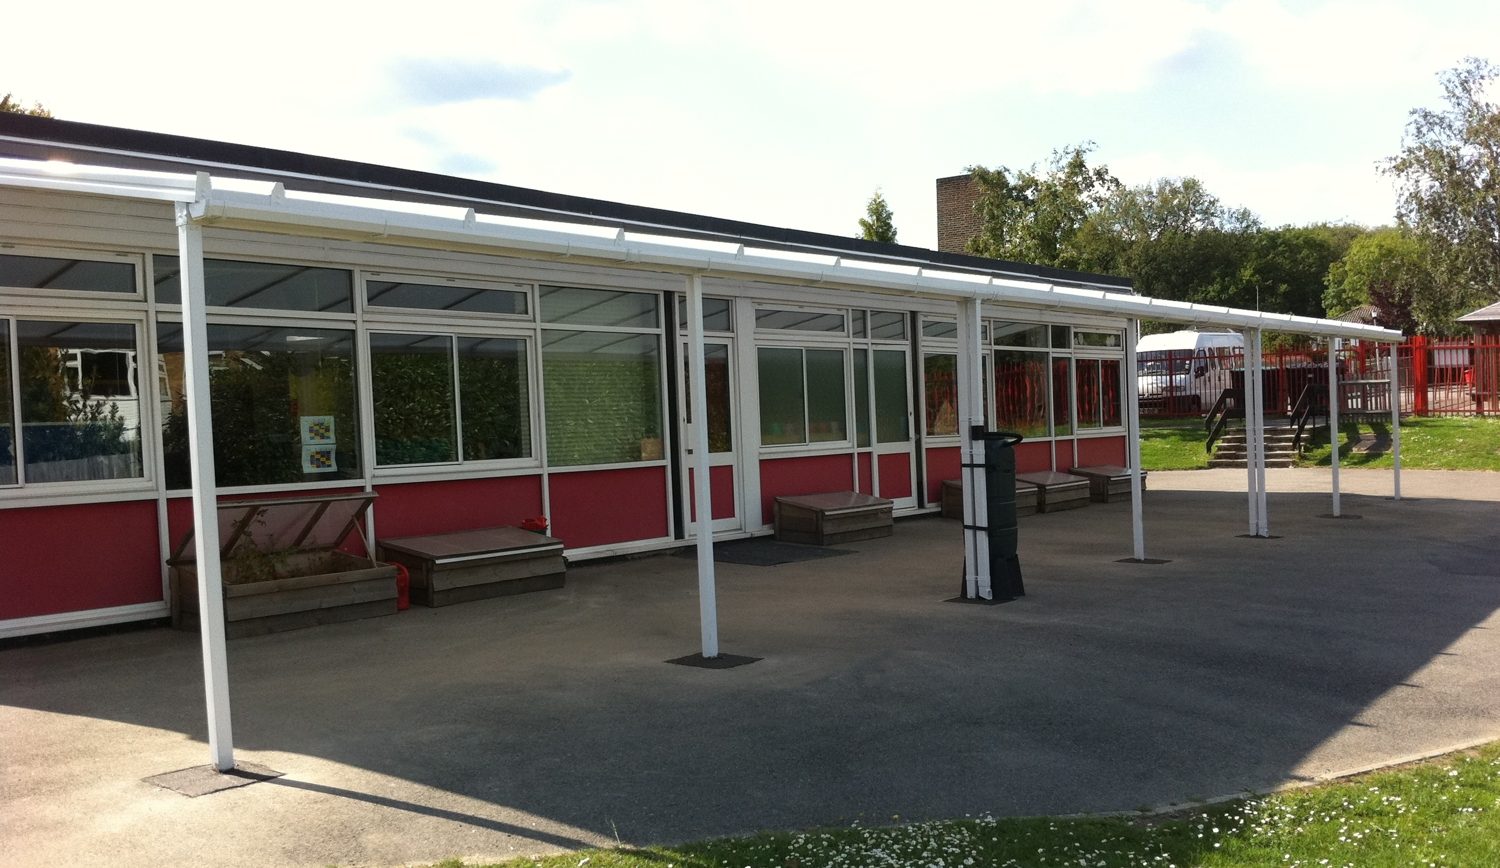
(953, 498)
(829, 519)
(468, 565)
(1107, 482)
(1056, 491)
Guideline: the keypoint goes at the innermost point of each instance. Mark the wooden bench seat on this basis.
(833, 518)
(1108, 482)
(468, 565)
(953, 498)
(1056, 491)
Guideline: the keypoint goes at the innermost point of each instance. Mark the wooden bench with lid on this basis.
(1108, 482)
(468, 565)
(832, 518)
(1057, 491)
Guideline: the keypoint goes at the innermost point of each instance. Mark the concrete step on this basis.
(1240, 462)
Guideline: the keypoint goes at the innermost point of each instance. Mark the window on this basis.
(891, 416)
(1096, 339)
(495, 394)
(282, 403)
(448, 297)
(260, 285)
(1015, 334)
(598, 307)
(718, 315)
(1062, 394)
(887, 326)
(1098, 393)
(934, 328)
(940, 376)
(79, 409)
(413, 399)
(603, 394)
(802, 396)
(770, 319)
(72, 275)
(1021, 392)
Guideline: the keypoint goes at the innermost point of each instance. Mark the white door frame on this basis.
(715, 459)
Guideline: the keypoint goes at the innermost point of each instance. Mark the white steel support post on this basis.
(1133, 419)
(1252, 373)
(1262, 516)
(970, 414)
(708, 605)
(205, 494)
(1333, 417)
(1396, 423)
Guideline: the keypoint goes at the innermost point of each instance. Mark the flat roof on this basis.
(33, 138)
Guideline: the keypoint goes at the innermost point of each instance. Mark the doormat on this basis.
(764, 552)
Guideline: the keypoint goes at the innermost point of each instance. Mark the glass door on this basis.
(718, 355)
(883, 402)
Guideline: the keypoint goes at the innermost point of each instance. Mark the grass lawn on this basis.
(1430, 443)
(1173, 444)
(1444, 812)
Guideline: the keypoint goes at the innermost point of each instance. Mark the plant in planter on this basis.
(283, 568)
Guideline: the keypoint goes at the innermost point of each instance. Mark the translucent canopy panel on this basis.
(283, 525)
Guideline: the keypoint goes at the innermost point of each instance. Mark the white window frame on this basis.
(837, 343)
(51, 296)
(527, 289)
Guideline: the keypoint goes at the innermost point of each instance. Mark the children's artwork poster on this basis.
(317, 429)
(318, 459)
(318, 445)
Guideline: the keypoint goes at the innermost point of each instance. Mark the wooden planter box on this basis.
(472, 565)
(830, 519)
(1108, 483)
(953, 498)
(341, 587)
(1056, 491)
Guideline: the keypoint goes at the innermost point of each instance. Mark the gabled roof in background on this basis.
(1489, 313)
(33, 138)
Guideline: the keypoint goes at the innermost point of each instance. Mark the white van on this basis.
(1185, 372)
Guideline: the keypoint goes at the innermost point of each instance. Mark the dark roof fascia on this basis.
(29, 137)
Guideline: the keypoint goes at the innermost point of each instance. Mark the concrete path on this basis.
(549, 721)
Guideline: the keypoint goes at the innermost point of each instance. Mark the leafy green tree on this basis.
(1036, 216)
(9, 104)
(877, 223)
(1448, 180)
(1387, 268)
(1284, 269)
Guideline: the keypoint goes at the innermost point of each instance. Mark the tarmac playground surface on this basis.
(549, 721)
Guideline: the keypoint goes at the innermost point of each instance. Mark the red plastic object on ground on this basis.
(403, 588)
(535, 525)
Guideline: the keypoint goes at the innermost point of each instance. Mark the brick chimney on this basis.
(956, 220)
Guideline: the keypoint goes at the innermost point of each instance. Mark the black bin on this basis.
(1000, 501)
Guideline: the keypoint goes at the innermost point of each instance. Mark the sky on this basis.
(778, 112)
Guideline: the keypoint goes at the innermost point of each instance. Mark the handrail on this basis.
(1301, 413)
(1222, 411)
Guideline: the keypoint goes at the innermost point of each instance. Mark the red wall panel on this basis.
(415, 508)
(895, 476)
(1064, 451)
(1033, 457)
(74, 558)
(866, 475)
(598, 507)
(811, 475)
(942, 463)
(721, 489)
(1097, 451)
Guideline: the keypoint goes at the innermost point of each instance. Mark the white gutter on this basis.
(292, 214)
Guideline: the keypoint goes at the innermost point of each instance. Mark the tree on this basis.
(1448, 182)
(1036, 217)
(8, 104)
(1388, 269)
(876, 225)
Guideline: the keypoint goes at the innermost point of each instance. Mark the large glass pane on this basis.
(1087, 393)
(861, 397)
(887, 326)
(783, 404)
(411, 384)
(446, 297)
(940, 376)
(1109, 392)
(598, 307)
(1062, 395)
(1096, 339)
(936, 328)
(80, 409)
(799, 320)
(603, 393)
(890, 397)
(77, 275)
(1021, 393)
(495, 398)
(283, 404)
(1019, 334)
(827, 412)
(261, 285)
(7, 411)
